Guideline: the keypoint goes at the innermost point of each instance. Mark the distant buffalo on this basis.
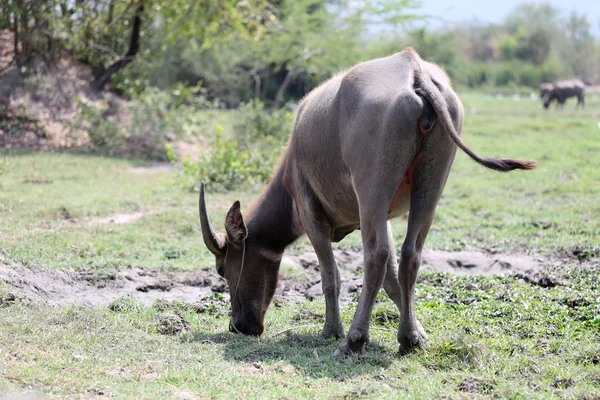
(561, 91)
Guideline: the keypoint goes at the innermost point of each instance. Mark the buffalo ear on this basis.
(234, 224)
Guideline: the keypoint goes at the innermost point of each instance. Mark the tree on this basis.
(134, 46)
(578, 47)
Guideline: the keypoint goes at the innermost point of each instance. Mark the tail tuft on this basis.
(506, 164)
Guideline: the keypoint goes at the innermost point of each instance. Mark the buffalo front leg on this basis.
(318, 230)
(330, 281)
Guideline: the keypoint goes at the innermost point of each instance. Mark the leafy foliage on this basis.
(254, 123)
(226, 167)
(147, 124)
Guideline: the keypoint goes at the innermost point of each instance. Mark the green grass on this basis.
(512, 339)
(55, 224)
(489, 337)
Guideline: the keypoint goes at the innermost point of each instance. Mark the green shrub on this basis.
(505, 74)
(254, 124)
(143, 126)
(470, 74)
(103, 134)
(226, 167)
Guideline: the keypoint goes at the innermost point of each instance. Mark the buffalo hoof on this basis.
(411, 336)
(353, 344)
(333, 331)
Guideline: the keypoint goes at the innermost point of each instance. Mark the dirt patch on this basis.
(481, 262)
(350, 261)
(48, 96)
(93, 289)
(64, 288)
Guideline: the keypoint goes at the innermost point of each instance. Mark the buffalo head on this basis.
(546, 102)
(250, 271)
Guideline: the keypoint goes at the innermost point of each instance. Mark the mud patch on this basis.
(540, 279)
(350, 263)
(303, 280)
(478, 262)
(63, 288)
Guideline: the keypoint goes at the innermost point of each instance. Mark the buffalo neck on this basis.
(272, 224)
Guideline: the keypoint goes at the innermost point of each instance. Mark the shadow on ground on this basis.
(306, 353)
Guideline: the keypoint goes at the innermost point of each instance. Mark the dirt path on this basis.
(300, 278)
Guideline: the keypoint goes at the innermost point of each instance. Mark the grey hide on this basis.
(368, 145)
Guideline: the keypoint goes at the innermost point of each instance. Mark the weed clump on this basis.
(457, 351)
(385, 316)
(125, 304)
(475, 385)
(170, 323)
(7, 299)
(177, 306)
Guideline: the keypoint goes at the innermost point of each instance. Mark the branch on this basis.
(257, 80)
(134, 47)
(306, 54)
(104, 48)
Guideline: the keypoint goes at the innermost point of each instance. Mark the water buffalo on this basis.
(545, 88)
(561, 91)
(368, 145)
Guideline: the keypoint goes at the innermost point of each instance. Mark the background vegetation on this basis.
(490, 337)
(212, 87)
(278, 50)
(174, 58)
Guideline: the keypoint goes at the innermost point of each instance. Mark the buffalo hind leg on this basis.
(391, 285)
(429, 178)
(375, 180)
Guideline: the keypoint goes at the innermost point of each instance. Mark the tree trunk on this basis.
(282, 88)
(134, 47)
(257, 83)
(24, 35)
(16, 37)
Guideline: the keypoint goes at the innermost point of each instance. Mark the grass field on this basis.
(497, 337)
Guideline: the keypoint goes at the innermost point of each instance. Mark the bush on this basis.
(256, 124)
(226, 167)
(470, 74)
(143, 127)
(103, 133)
(507, 73)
